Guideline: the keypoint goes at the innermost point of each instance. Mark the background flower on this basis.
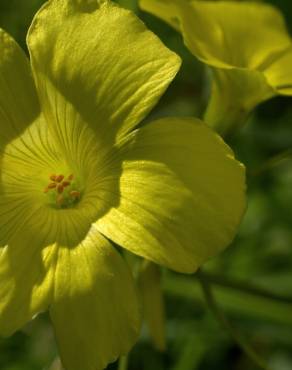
(247, 46)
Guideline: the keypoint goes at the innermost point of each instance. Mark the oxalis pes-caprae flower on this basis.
(75, 175)
(246, 45)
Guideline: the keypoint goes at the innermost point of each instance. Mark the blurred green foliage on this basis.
(261, 253)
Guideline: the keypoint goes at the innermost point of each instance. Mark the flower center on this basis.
(63, 192)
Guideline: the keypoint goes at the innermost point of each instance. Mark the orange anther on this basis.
(74, 194)
(53, 177)
(46, 190)
(60, 200)
(66, 183)
(60, 188)
(52, 185)
(71, 177)
(59, 178)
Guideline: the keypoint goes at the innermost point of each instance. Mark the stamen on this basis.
(66, 183)
(60, 200)
(60, 188)
(64, 192)
(75, 194)
(59, 178)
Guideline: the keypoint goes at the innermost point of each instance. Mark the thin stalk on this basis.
(123, 363)
(234, 333)
(243, 286)
(272, 162)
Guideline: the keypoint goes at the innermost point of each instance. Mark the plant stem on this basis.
(272, 162)
(234, 333)
(123, 363)
(242, 286)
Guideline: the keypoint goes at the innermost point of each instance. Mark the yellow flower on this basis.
(246, 45)
(75, 175)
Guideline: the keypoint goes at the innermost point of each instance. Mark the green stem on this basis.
(123, 363)
(272, 162)
(242, 286)
(234, 333)
(229, 104)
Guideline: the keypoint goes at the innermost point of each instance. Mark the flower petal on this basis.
(95, 60)
(181, 194)
(165, 10)
(18, 100)
(26, 275)
(95, 312)
(235, 92)
(279, 73)
(214, 30)
(26, 164)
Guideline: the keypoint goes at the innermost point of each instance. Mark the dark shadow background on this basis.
(261, 254)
